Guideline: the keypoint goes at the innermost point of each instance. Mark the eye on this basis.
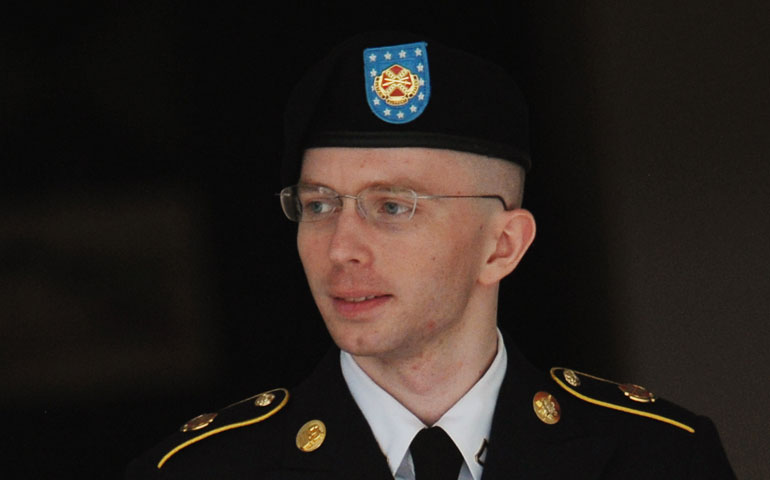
(395, 208)
(316, 207)
(391, 207)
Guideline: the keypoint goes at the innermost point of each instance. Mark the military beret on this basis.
(394, 89)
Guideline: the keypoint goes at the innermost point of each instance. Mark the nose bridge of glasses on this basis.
(358, 200)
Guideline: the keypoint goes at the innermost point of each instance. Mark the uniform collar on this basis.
(468, 422)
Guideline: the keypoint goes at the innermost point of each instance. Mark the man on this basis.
(410, 161)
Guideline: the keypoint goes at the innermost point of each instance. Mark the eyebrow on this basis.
(396, 182)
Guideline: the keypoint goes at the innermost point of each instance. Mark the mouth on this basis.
(356, 299)
(355, 305)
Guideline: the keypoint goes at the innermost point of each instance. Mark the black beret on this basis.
(395, 89)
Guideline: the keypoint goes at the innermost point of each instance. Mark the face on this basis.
(390, 290)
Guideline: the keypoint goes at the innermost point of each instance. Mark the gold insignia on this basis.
(311, 435)
(637, 393)
(396, 85)
(281, 398)
(264, 399)
(546, 408)
(633, 392)
(571, 377)
(199, 422)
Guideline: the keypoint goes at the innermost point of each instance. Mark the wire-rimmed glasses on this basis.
(378, 203)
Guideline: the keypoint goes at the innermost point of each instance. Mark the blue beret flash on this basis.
(397, 81)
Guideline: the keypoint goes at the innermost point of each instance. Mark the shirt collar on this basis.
(468, 422)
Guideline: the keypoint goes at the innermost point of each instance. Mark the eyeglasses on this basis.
(379, 203)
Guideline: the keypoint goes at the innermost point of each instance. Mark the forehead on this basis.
(413, 167)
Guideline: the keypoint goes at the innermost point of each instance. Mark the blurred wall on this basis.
(682, 140)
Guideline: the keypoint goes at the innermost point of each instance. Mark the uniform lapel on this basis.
(523, 447)
(349, 450)
(520, 445)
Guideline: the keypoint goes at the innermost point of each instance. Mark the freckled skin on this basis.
(428, 267)
(415, 303)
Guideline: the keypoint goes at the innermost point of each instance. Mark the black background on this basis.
(650, 146)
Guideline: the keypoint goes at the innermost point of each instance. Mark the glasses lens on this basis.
(289, 203)
(389, 204)
(304, 203)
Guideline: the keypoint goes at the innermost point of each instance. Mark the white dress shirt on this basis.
(468, 422)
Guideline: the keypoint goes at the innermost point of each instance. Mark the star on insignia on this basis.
(372, 57)
(418, 52)
(402, 54)
(388, 56)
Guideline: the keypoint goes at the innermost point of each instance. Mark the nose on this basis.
(348, 243)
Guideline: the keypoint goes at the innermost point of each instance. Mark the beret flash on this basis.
(395, 89)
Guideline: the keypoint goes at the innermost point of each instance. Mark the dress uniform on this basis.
(384, 90)
(556, 425)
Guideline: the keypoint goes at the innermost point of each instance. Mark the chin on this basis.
(358, 341)
(357, 345)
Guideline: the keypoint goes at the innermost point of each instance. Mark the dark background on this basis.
(147, 274)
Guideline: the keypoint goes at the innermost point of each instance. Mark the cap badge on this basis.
(397, 81)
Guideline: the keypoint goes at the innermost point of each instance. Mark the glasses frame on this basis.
(287, 193)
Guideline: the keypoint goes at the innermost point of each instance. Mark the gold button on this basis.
(546, 408)
(571, 377)
(311, 435)
(199, 422)
(637, 393)
(264, 399)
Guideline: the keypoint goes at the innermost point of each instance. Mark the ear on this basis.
(514, 234)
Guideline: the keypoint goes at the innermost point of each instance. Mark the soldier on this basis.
(408, 181)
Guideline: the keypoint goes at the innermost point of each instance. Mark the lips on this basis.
(359, 299)
(355, 305)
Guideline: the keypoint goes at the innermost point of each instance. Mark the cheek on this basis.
(460, 254)
(436, 264)
(309, 249)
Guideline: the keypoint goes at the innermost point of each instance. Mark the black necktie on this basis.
(435, 455)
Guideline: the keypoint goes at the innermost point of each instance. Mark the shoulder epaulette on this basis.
(624, 397)
(240, 414)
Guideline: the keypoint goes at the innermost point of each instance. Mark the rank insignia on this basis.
(397, 81)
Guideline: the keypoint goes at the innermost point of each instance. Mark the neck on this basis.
(429, 382)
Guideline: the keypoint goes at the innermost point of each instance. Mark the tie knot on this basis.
(435, 455)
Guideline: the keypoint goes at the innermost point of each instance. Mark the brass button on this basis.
(199, 422)
(637, 393)
(311, 435)
(264, 399)
(546, 408)
(571, 377)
